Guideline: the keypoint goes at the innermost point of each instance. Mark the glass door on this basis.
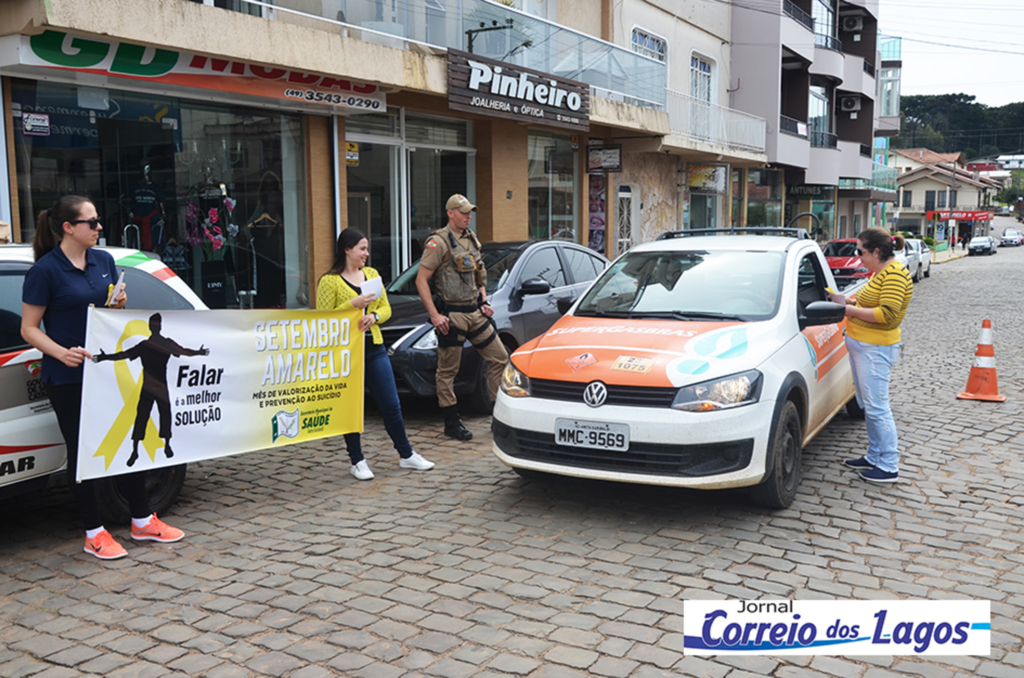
(373, 205)
(434, 175)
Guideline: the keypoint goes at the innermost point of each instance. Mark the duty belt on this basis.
(461, 308)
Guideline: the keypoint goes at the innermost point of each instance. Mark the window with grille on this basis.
(649, 45)
(700, 78)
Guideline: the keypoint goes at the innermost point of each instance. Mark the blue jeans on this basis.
(380, 379)
(872, 365)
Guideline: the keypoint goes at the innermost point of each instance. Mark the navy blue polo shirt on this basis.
(66, 292)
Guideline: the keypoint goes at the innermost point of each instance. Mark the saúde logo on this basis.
(831, 627)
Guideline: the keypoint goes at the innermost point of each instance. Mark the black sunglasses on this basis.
(94, 223)
(860, 252)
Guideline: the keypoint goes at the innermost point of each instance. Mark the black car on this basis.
(530, 285)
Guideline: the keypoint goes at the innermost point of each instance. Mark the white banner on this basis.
(837, 627)
(180, 386)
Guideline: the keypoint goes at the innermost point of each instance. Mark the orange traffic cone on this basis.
(982, 384)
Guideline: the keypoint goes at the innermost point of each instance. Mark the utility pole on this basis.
(484, 28)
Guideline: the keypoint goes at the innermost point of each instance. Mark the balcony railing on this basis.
(821, 139)
(828, 42)
(883, 178)
(869, 68)
(792, 10)
(890, 47)
(491, 30)
(792, 126)
(707, 122)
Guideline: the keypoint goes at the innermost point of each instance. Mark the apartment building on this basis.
(236, 138)
(828, 84)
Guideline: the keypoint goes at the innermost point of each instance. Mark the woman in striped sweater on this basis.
(873, 340)
(340, 289)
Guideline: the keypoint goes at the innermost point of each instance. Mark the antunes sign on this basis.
(480, 85)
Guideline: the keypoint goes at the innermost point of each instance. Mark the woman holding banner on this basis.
(340, 289)
(70, 275)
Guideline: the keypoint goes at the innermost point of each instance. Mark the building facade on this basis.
(939, 198)
(828, 85)
(235, 139)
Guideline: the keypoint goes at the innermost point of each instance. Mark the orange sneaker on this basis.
(157, 530)
(104, 547)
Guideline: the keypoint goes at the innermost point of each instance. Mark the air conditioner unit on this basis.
(853, 24)
(849, 104)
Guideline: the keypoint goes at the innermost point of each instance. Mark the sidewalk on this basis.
(948, 255)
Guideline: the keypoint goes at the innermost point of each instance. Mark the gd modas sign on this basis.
(480, 85)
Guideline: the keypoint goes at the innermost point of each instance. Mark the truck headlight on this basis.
(721, 394)
(514, 383)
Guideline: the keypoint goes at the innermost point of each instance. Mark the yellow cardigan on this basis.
(333, 293)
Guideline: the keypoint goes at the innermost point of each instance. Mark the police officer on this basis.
(452, 284)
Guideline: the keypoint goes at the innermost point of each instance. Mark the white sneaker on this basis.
(416, 462)
(361, 471)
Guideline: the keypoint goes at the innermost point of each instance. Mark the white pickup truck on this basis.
(698, 360)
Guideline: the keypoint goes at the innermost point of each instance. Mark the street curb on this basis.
(952, 257)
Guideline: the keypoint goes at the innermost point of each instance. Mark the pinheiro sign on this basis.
(55, 49)
(837, 627)
(177, 387)
(480, 85)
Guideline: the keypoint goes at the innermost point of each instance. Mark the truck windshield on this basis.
(695, 285)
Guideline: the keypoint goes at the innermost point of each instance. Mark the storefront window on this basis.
(216, 191)
(553, 187)
(708, 189)
(401, 169)
(764, 198)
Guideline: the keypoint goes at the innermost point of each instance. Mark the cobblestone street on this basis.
(291, 567)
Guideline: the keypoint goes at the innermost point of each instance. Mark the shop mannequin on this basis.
(147, 212)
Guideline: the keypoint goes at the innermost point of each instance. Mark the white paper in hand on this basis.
(115, 289)
(373, 287)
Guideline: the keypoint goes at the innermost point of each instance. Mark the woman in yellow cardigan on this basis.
(339, 289)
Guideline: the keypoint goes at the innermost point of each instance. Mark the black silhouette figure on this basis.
(154, 354)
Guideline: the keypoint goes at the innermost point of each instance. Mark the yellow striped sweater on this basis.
(888, 292)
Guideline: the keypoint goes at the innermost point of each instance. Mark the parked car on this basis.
(1011, 238)
(844, 262)
(529, 286)
(918, 250)
(981, 244)
(911, 260)
(31, 446)
(706, 362)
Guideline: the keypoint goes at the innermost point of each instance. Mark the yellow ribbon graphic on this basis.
(130, 391)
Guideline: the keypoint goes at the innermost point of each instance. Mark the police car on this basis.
(32, 451)
(700, 360)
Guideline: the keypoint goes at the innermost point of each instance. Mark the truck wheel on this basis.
(917, 274)
(854, 410)
(162, 485)
(778, 489)
(928, 271)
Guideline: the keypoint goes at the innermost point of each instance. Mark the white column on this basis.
(5, 179)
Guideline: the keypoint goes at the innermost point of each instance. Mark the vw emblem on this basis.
(595, 394)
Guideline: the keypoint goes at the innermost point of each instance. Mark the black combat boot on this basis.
(453, 427)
